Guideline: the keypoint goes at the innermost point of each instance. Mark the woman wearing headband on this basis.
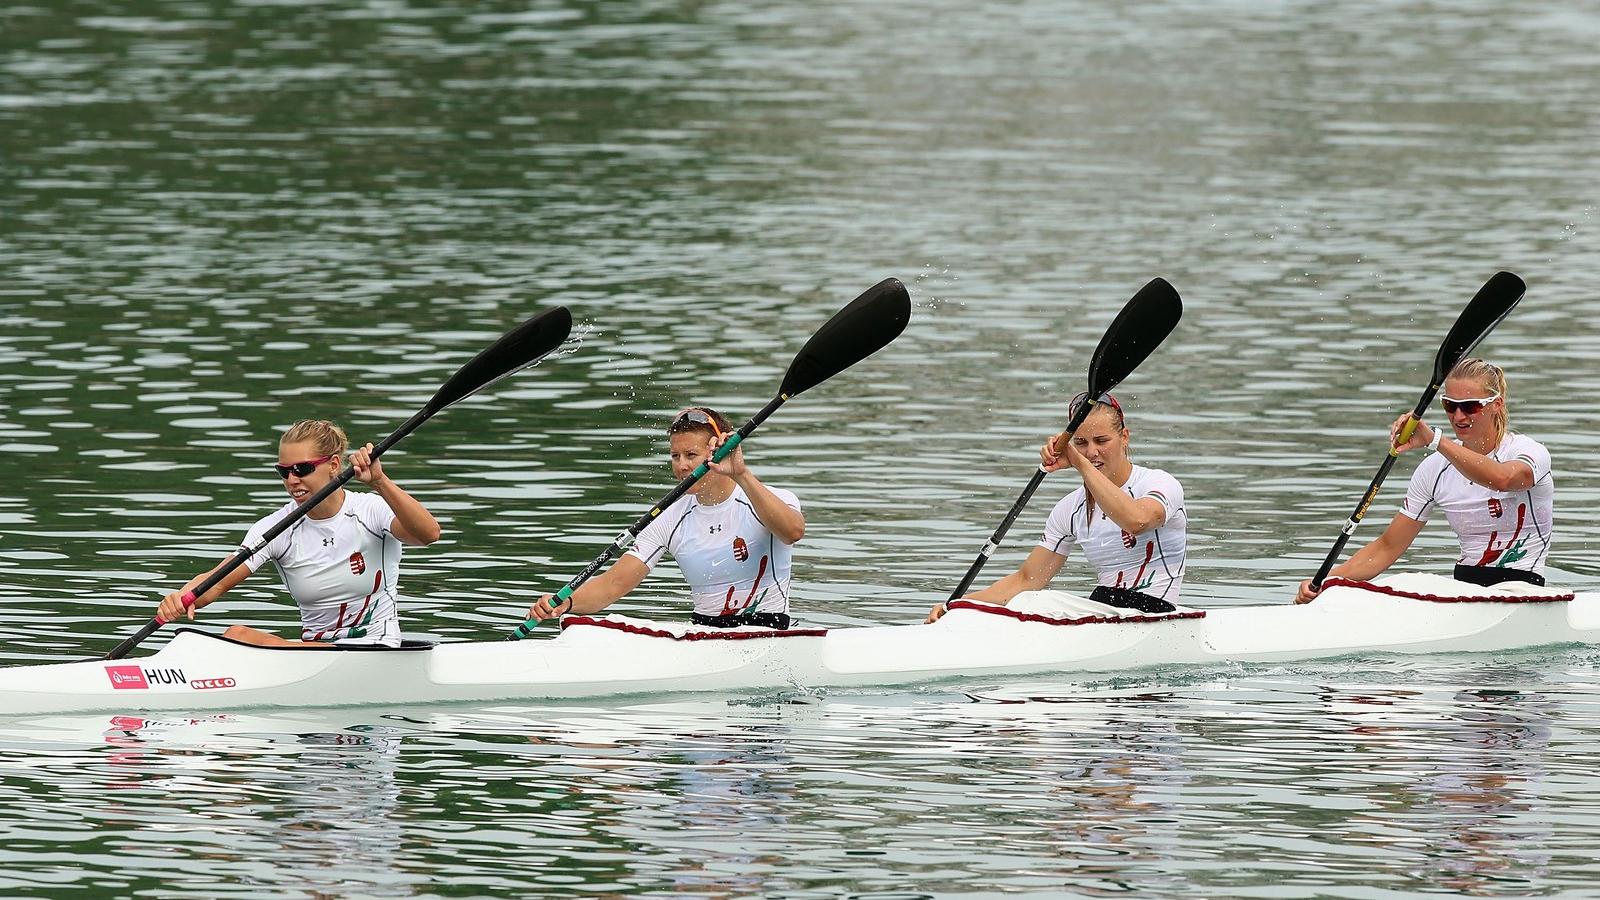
(341, 562)
(1493, 485)
(1128, 519)
(731, 535)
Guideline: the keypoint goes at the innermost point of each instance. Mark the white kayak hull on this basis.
(618, 656)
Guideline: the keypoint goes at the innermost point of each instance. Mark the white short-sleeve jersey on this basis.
(733, 564)
(1501, 529)
(342, 571)
(1150, 562)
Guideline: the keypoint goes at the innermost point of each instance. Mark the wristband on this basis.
(1438, 435)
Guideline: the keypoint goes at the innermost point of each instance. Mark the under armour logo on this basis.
(327, 542)
(714, 529)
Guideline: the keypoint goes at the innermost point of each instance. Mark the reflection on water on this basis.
(1379, 773)
(219, 217)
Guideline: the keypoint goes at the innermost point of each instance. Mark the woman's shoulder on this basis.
(1069, 504)
(1516, 440)
(266, 522)
(1432, 466)
(272, 518)
(1143, 474)
(787, 496)
(360, 501)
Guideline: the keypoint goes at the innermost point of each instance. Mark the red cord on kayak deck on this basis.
(631, 628)
(1336, 581)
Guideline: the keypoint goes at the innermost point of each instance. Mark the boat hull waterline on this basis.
(1406, 613)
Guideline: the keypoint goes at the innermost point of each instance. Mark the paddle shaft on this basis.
(1349, 529)
(238, 559)
(999, 535)
(626, 539)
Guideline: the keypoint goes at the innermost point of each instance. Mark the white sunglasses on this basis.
(1468, 407)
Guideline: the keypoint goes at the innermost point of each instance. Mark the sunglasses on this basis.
(693, 418)
(1467, 407)
(300, 469)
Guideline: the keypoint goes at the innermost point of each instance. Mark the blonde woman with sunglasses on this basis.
(1493, 485)
(341, 562)
(1128, 519)
(731, 535)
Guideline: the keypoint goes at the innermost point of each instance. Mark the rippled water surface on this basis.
(217, 217)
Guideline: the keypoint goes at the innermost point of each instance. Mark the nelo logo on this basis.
(741, 550)
(206, 684)
(358, 563)
(127, 678)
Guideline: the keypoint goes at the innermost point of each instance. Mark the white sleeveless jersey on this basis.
(733, 564)
(342, 570)
(1150, 563)
(1502, 529)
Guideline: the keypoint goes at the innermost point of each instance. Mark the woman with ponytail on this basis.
(1493, 485)
(341, 562)
(1128, 519)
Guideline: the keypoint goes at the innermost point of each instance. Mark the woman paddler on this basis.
(1493, 485)
(1128, 519)
(731, 535)
(341, 562)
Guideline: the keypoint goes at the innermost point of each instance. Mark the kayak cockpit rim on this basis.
(405, 644)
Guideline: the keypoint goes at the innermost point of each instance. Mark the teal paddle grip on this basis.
(727, 447)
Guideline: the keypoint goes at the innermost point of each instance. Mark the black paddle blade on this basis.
(516, 350)
(1494, 301)
(1134, 334)
(867, 325)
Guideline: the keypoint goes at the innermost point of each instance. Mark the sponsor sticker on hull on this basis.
(127, 678)
(208, 684)
(138, 678)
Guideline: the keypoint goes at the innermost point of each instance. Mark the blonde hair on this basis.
(328, 438)
(1491, 378)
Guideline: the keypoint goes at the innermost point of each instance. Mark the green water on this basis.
(216, 218)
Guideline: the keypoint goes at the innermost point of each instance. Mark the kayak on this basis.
(1039, 633)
